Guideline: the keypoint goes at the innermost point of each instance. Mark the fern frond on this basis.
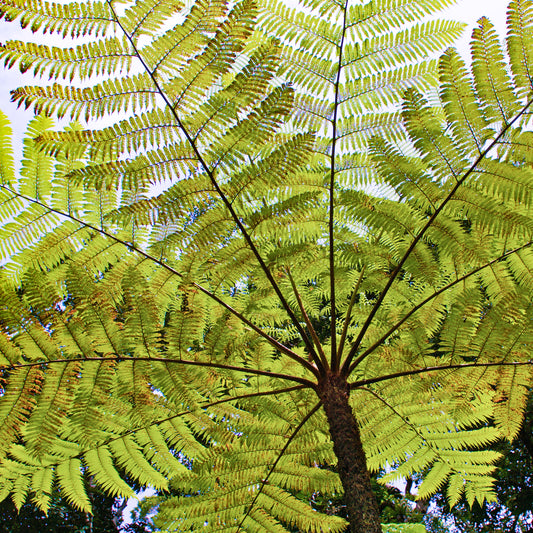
(520, 21)
(104, 57)
(147, 17)
(100, 464)
(129, 455)
(169, 52)
(73, 19)
(460, 103)
(493, 84)
(71, 482)
(55, 398)
(193, 82)
(144, 131)
(510, 399)
(132, 94)
(18, 402)
(7, 168)
(431, 443)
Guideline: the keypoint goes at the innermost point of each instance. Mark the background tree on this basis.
(157, 327)
(61, 517)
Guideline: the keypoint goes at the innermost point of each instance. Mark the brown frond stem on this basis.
(273, 342)
(321, 363)
(186, 362)
(347, 363)
(398, 324)
(278, 458)
(220, 192)
(331, 222)
(458, 366)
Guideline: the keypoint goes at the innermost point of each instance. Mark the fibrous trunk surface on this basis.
(361, 504)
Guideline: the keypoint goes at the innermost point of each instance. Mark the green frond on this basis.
(225, 485)
(37, 168)
(247, 89)
(73, 19)
(155, 166)
(131, 94)
(147, 17)
(104, 57)
(510, 399)
(130, 457)
(386, 51)
(169, 52)
(157, 452)
(428, 134)
(367, 20)
(7, 167)
(460, 103)
(55, 397)
(520, 23)
(143, 131)
(18, 402)
(28, 227)
(192, 83)
(492, 81)
(305, 30)
(97, 379)
(10, 353)
(383, 88)
(71, 482)
(248, 135)
(425, 437)
(41, 484)
(100, 465)
(520, 265)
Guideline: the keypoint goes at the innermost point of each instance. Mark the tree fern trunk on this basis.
(361, 504)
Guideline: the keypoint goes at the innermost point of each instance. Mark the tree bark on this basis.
(361, 504)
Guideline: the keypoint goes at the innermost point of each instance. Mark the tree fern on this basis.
(269, 255)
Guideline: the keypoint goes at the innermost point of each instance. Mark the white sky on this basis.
(468, 11)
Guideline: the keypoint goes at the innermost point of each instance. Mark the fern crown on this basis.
(254, 201)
